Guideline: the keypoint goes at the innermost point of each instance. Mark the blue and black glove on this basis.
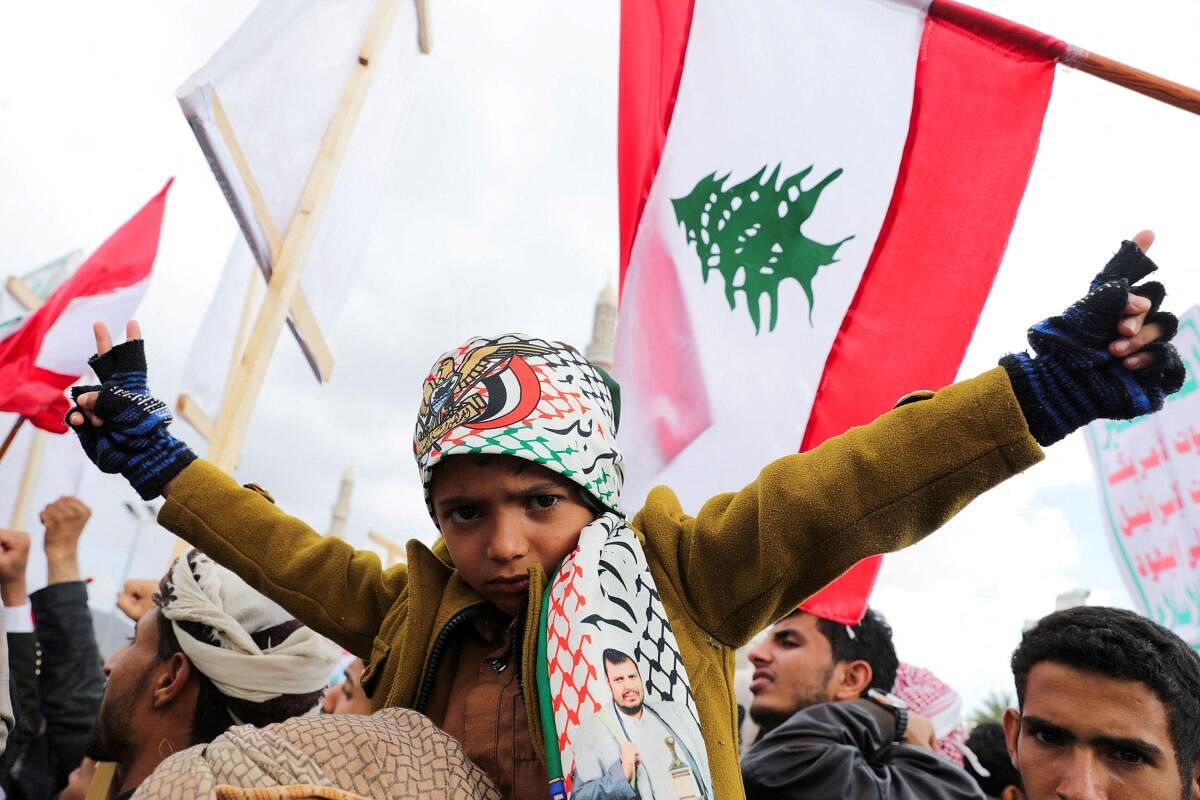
(1074, 379)
(133, 440)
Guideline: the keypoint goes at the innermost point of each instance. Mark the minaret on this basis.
(341, 509)
(604, 329)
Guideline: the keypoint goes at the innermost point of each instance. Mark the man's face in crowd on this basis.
(625, 682)
(348, 696)
(793, 669)
(501, 516)
(125, 695)
(1085, 736)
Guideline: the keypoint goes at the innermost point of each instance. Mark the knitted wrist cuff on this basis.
(150, 485)
(1018, 366)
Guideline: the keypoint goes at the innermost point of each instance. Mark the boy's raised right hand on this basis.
(122, 427)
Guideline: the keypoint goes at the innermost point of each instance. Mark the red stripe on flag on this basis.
(669, 368)
(654, 36)
(982, 86)
(123, 260)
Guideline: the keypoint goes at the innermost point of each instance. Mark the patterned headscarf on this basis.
(929, 696)
(529, 398)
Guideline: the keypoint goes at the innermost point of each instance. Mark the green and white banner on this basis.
(1148, 471)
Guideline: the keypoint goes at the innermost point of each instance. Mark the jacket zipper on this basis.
(435, 654)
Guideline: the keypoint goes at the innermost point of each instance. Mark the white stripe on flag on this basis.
(69, 342)
(839, 97)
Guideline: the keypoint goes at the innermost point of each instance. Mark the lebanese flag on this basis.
(50, 351)
(815, 197)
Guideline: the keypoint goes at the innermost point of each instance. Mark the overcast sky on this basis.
(502, 215)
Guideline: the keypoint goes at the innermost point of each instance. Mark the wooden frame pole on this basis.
(395, 551)
(29, 479)
(33, 460)
(424, 34)
(23, 294)
(238, 404)
(302, 316)
(1161, 89)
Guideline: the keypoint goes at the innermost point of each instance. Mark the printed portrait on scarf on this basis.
(635, 746)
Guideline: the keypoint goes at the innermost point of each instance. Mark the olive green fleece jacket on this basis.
(746, 560)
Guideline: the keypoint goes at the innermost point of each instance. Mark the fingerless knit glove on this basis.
(1074, 379)
(133, 440)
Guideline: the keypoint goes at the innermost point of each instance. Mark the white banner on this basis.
(1149, 475)
(260, 109)
(229, 315)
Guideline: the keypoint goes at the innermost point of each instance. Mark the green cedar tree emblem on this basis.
(750, 233)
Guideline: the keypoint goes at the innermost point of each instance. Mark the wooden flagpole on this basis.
(1069, 55)
(29, 479)
(230, 426)
(1161, 89)
(12, 434)
(37, 443)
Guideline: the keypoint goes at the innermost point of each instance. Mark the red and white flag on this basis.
(50, 350)
(815, 198)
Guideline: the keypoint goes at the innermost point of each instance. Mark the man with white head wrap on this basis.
(213, 653)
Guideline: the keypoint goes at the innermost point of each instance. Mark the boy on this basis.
(515, 441)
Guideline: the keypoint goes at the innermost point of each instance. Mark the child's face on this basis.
(500, 515)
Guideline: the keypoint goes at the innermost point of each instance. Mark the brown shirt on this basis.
(476, 698)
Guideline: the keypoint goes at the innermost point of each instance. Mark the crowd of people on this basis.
(271, 662)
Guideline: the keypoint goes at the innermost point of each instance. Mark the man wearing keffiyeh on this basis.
(212, 653)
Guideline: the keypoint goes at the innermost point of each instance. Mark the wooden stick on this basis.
(190, 410)
(424, 34)
(239, 400)
(1175, 94)
(241, 339)
(243, 167)
(394, 550)
(29, 479)
(23, 294)
(305, 322)
(977, 21)
(12, 434)
(341, 508)
(33, 461)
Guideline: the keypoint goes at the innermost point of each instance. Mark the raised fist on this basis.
(14, 554)
(64, 520)
(137, 598)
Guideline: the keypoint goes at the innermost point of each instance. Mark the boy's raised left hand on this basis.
(1106, 357)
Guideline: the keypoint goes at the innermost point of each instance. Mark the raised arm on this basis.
(340, 592)
(72, 680)
(751, 556)
(328, 585)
